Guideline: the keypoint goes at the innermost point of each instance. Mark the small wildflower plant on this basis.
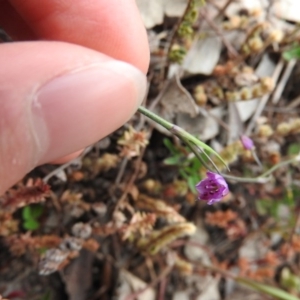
(214, 187)
(211, 189)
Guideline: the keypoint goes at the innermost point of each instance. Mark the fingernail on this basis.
(76, 109)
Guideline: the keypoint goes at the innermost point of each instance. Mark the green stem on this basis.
(265, 177)
(146, 112)
(247, 179)
(193, 143)
(179, 132)
(281, 164)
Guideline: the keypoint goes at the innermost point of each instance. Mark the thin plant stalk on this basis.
(179, 132)
(195, 145)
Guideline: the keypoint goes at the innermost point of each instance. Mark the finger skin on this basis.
(33, 131)
(67, 158)
(111, 27)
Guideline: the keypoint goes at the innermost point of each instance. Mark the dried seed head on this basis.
(291, 127)
(192, 15)
(267, 84)
(276, 35)
(177, 53)
(200, 95)
(183, 266)
(185, 29)
(132, 142)
(265, 130)
(106, 162)
(283, 129)
(246, 93)
(161, 238)
(246, 78)
(255, 44)
(160, 208)
(232, 96)
(152, 186)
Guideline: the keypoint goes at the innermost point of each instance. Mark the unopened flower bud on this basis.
(247, 142)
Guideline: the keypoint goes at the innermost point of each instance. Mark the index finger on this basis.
(112, 27)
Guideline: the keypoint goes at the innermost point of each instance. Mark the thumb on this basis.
(56, 98)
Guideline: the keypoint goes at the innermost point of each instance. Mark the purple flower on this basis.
(213, 188)
(247, 142)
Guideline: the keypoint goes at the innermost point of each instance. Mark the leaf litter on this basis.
(123, 221)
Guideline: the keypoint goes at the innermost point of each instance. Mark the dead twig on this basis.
(232, 52)
(265, 98)
(61, 168)
(162, 275)
(131, 180)
(165, 69)
(222, 10)
(283, 80)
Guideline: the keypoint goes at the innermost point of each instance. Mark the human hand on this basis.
(58, 96)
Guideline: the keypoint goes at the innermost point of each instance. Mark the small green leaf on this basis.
(36, 211)
(289, 198)
(292, 53)
(46, 296)
(26, 213)
(293, 149)
(32, 212)
(192, 181)
(261, 207)
(266, 289)
(42, 250)
(196, 164)
(31, 224)
(170, 146)
(183, 174)
(173, 160)
(289, 280)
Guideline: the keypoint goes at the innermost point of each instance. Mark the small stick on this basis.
(282, 83)
(264, 99)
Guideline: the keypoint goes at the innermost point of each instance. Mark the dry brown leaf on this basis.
(158, 239)
(132, 142)
(78, 276)
(236, 229)
(183, 266)
(177, 99)
(91, 245)
(204, 127)
(175, 8)
(129, 284)
(288, 10)
(140, 225)
(19, 244)
(152, 12)
(33, 192)
(262, 274)
(174, 99)
(203, 56)
(160, 208)
(220, 218)
(8, 225)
